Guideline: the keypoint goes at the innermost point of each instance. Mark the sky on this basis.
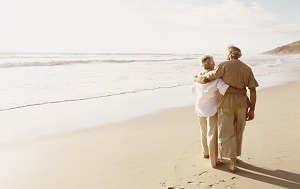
(147, 26)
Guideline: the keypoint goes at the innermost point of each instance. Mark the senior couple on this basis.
(223, 106)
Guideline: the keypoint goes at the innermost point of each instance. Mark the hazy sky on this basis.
(147, 26)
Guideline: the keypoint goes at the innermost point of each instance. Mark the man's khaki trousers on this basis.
(231, 125)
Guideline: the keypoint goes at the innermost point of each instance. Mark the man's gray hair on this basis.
(234, 51)
(207, 60)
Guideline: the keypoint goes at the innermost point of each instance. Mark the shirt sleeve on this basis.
(222, 87)
(252, 81)
(216, 73)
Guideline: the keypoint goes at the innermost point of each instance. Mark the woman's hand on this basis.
(243, 91)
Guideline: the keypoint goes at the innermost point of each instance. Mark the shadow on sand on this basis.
(275, 177)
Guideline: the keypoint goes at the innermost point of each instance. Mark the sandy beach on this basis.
(161, 150)
(97, 94)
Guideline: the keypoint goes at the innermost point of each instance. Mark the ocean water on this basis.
(29, 79)
(36, 88)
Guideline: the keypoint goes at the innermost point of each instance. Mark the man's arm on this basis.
(232, 90)
(250, 114)
(211, 75)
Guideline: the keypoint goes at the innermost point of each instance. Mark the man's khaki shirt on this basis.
(236, 74)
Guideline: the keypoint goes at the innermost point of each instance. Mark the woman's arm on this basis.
(232, 90)
(224, 88)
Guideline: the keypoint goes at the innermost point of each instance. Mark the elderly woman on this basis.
(206, 108)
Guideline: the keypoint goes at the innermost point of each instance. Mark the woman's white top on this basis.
(208, 96)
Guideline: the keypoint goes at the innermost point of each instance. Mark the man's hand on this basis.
(250, 114)
(202, 79)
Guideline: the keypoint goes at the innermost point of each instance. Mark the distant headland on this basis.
(289, 49)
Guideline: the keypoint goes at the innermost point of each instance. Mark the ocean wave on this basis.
(91, 97)
(36, 63)
(276, 62)
(94, 61)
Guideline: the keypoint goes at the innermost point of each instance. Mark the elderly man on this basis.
(233, 109)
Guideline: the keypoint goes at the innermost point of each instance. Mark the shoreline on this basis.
(161, 150)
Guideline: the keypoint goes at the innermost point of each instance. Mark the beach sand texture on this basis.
(161, 150)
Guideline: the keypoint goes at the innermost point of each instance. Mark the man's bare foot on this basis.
(232, 166)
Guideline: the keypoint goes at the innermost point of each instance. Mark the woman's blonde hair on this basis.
(207, 60)
(234, 51)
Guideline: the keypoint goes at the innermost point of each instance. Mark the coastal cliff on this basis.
(292, 48)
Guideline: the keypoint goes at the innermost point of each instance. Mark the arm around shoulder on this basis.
(232, 90)
(224, 88)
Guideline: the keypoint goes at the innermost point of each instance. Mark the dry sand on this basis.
(161, 150)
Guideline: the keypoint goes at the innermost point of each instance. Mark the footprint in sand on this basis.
(234, 185)
(196, 183)
(204, 173)
(162, 184)
(179, 187)
(209, 186)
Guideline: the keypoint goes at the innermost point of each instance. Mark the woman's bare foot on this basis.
(206, 156)
(220, 162)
